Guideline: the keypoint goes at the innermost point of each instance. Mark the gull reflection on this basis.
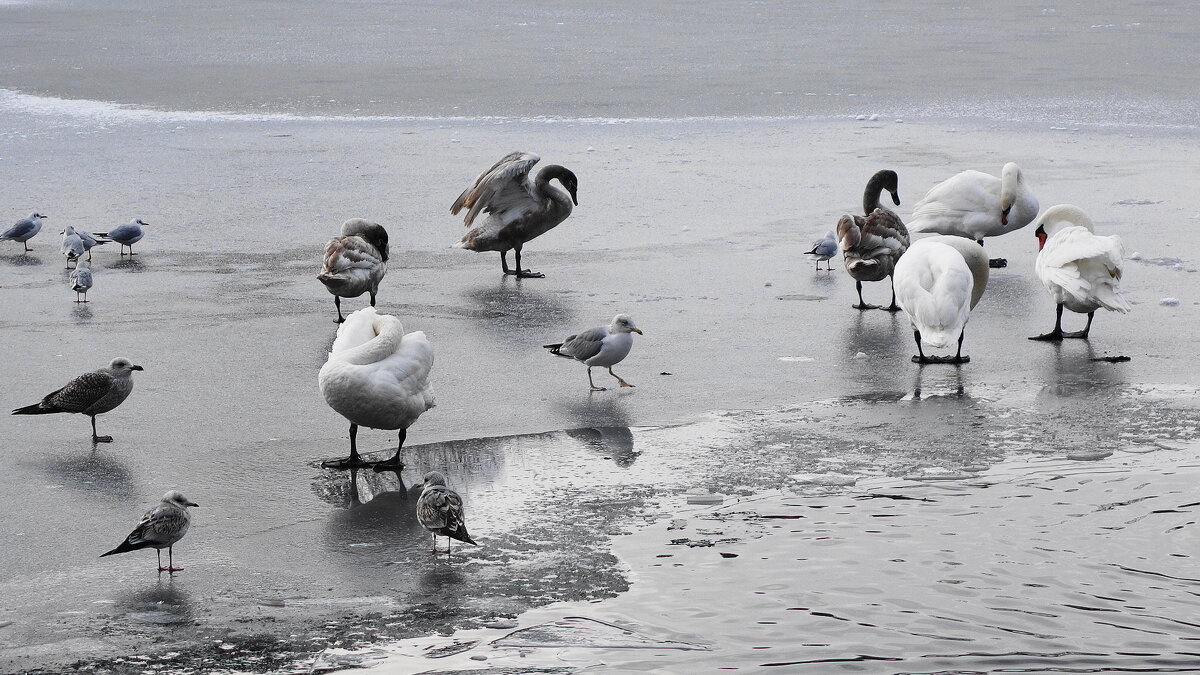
(163, 603)
(614, 443)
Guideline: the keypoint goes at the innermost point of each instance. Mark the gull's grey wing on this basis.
(440, 508)
(163, 525)
(22, 228)
(83, 279)
(80, 393)
(584, 345)
(504, 188)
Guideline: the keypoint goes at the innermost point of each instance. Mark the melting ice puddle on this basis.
(797, 359)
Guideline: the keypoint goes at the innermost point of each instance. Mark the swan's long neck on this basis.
(1010, 182)
(1066, 215)
(388, 334)
(543, 190)
(875, 187)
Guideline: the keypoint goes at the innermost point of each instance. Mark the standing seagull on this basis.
(378, 377)
(824, 249)
(81, 280)
(355, 261)
(72, 246)
(92, 394)
(605, 346)
(24, 230)
(126, 235)
(89, 240)
(1081, 270)
(160, 528)
(518, 208)
(975, 205)
(938, 282)
(440, 511)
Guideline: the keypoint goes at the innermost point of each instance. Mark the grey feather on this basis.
(585, 345)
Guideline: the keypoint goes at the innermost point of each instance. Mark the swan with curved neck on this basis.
(517, 208)
(1081, 271)
(976, 205)
(938, 282)
(871, 245)
(377, 376)
(355, 262)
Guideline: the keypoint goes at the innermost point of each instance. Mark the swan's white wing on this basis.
(934, 287)
(356, 330)
(1084, 266)
(409, 370)
(504, 189)
(1077, 243)
(956, 203)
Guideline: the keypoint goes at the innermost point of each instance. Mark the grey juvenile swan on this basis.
(872, 245)
(518, 208)
(355, 262)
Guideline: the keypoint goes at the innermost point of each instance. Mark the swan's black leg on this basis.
(504, 262)
(372, 299)
(994, 262)
(394, 464)
(337, 302)
(353, 460)
(861, 304)
(920, 357)
(1056, 334)
(958, 357)
(523, 273)
(1086, 329)
(893, 307)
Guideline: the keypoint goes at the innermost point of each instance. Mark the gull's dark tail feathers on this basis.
(554, 348)
(125, 547)
(36, 409)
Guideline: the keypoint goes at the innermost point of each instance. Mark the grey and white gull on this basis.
(73, 247)
(90, 394)
(378, 377)
(605, 346)
(440, 510)
(823, 249)
(355, 261)
(518, 208)
(81, 279)
(162, 527)
(24, 229)
(126, 235)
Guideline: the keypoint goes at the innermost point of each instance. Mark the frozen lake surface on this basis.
(1046, 514)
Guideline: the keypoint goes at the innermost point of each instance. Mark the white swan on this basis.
(355, 261)
(975, 205)
(519, 208)
(938, 282)
(872, 245)
(377, 377)
(1081, 270)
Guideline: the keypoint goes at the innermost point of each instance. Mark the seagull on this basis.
(1082, 271)
(975, 205)
(440, 511)
(24, 230)
(92, 394)
(89, 240)
(72, 245)
(377, 377)
(162, 527)
(127, 235)
(81, 279)
(824, 249)
(518, 208)
(939, 280)
(355, 261)
(872, 245)
(605, 346)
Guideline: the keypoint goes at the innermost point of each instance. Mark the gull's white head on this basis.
(123, 366)
(621, 323)
(176, 497)
(139, 221)
(37, 216)
(433, 478)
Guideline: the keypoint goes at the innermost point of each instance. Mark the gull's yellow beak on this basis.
(637, 330)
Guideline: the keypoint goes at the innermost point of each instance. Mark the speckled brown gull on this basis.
(162, 527)
(91, 394)
(440, 511)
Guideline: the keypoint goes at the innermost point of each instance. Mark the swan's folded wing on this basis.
(951, 200)
(585, 345)
(849, 232)
(344, 253)
(887, 226)
(1077, 243)
(503, 189)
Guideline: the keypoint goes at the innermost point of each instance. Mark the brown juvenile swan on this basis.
(518, 208)
(355, 262)
(872, 245)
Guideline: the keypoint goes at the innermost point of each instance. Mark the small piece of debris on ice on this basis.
(1135, 256)
(1169, 302)
(860, 355)
(706, 498)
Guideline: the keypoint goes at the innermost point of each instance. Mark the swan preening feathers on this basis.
(517, 208)
(871, 245)
(355, 261)
(975, 205)
(938, 282)
(1082, 271)
(377, 377)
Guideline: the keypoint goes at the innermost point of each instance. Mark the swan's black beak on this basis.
(574, 198)
(896, 198)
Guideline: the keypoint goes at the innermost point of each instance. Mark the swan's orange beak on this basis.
(1041, 240)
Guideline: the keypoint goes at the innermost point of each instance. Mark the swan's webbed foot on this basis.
(863, 305)
(1055, 335)
(101, 439)
(1082, 335)
(891, 308)
(351, 462)
(952, 360)
(525, 274)
(393, 464)
(997, 262)
(170, 570)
